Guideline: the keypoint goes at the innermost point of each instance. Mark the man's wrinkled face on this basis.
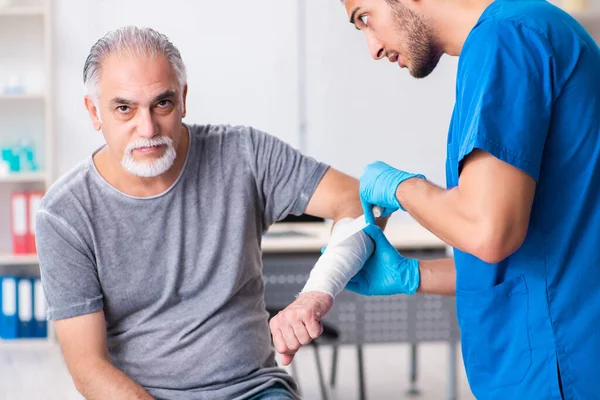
(140, 107)
(396, 32)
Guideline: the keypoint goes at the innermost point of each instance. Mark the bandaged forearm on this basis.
(339, 263)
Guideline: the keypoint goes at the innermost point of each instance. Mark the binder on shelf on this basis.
(25, 307)
(19, 225)
(33, 203)
(9, 321)
(40, 326)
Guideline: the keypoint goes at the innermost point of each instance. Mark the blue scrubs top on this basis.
(528, 92)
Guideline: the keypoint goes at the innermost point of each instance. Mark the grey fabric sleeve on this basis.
(286, 179)
(68, 270)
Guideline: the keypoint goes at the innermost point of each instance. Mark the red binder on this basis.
(33, 203)
(19, 222)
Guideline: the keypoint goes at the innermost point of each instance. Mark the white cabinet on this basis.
(25, 106)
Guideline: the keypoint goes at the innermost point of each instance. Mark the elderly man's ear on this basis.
(185, 89)
(94, 113)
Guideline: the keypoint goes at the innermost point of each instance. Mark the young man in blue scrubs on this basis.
(522, 204)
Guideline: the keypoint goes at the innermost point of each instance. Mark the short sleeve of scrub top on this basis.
(504, 95)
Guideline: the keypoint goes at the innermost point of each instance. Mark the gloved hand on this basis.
(378, 185)
(386, 272)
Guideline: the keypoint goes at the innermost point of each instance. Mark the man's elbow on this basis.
(350, 207)
(495, 244)
(80, 386)
(84, 374)
(81, 382)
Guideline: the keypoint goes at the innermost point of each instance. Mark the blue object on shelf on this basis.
(25, 308)
(21, 158)
(27, 156)
(40, 326)
(32, 165)
(13, 160)
(9, 320)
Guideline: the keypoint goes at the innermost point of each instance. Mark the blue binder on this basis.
(40, 326)
(9, 320)
(25, 307)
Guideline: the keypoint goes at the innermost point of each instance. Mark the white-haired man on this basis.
(150, 250)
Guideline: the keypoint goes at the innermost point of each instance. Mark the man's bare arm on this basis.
(83, 343)
(437, 277)
(486, 215)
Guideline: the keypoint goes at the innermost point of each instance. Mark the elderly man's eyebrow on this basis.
(169, 94)
(353, 15)
(123, 100)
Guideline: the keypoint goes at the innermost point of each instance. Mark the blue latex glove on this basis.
(378, 185)
(386, 272)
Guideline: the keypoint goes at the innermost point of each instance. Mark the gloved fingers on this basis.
(368, 211)
(374, 232)
(375, 168)
(381, 241)
(358, 284)
(353, 286)
(387, 212)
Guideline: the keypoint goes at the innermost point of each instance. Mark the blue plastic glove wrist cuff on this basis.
(415, 279)
(379, 184)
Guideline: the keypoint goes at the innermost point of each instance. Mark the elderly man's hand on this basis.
(299, 323)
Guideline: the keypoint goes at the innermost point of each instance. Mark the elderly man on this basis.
(150, 250)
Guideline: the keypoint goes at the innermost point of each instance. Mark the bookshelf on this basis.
(26, 119)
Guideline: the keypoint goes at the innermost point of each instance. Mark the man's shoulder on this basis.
(219, 132)
(229, 141)
(68, 189)
(534, 17)
(512, 29)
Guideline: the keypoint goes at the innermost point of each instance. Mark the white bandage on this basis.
(339, 263)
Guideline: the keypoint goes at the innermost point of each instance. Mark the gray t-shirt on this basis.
(178, 275)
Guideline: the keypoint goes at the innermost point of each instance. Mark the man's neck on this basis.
(111, 170)
(455, 20)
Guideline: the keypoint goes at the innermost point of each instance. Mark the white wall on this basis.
(240, 57)
(242, 62)
(361, 110)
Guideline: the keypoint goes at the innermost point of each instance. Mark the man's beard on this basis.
(423, 54)
(149, 169)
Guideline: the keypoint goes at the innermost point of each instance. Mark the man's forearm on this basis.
(443, 213)
(437, 277)
(101, 380)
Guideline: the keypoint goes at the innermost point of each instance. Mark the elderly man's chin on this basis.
(150, 168)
